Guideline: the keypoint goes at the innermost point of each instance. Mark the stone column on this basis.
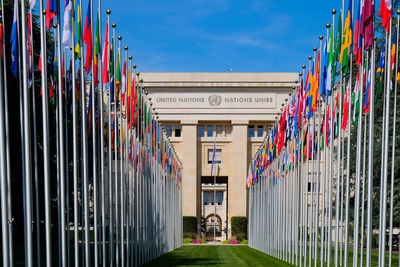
(190, 179)
(237, 198)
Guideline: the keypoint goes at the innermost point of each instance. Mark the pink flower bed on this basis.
(234, 242)
(197, 242)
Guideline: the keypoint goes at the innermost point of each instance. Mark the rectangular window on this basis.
(260, 131)
(218, 156)
(210, 130)
(212, 198)
(168, 128)
(206, 198)
(219, 197)
(219, 130)
(228, 130)
(200, 131)
(251, 131)
(178, 131)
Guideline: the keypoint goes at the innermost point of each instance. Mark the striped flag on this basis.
(385, 12)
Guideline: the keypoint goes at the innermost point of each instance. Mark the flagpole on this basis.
(393, 145)
(330, 193)
(4, 212)
(34, 141)
(7, 139)
(84, 149)
(116, 135)
(386, 147)
(370, 160)
(215, 188)
(46, 152)
(94, 141)
(102, 143)
(61, 138)
(109, 132)
(358, 157)
(27, 144)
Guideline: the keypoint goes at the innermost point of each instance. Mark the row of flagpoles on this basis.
(125, 204)
(312, 180)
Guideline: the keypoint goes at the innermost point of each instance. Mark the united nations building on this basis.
(234, 110)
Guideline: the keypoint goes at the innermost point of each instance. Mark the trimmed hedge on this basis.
(239, 226)
(189, 224)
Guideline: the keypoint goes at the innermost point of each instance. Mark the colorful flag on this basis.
(78, 34)
(368, 89)
(329, 75)
(87, 38)
(67, 28)
(379, 74)
(123, 83)
(51, 12)
(14, 41)
(347, 40)
(96, 54)
(32, 4)
(385, 12)
(393, 54)
(356, 99)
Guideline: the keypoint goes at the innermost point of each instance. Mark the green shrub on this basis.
(187, 241)
(189, 224)
(202, 240)
(240, 236)
(239, 226)
(226, 241)
(244, 241)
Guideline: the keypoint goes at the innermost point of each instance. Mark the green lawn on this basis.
(216, 256)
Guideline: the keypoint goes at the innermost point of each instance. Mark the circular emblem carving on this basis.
(214, 100)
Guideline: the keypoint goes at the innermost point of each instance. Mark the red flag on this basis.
(87, 38)
(346, 108)
(385, 12)
(367, 23)
(51, 12)
(106, 57)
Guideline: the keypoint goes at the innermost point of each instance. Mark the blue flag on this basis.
(14, 41)
(213, 157)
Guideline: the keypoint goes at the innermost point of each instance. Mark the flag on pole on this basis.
(67, 28)
(385, 12)
(78, 34)
(106, 58)
(357, 34)
(347, 40)
(330, 68)
(356, 99)
(87, 39)
(368, 89)
(346, 107)
(123, 83)
(51, 12)
(367, 24)
(393, 54)
(379, 74)
(213, 157)
(14, 41)
(29, 50)
(96, 54)
(32, 4)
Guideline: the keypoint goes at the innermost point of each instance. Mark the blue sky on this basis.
(212, 35)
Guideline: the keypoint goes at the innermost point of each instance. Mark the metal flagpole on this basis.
(3, 185)
(84, 151)
(393, 146)
(102, 142)
(370, 161)
(386, 147)
(27, 144)
(61, 139)
(358, 159)
(34, 144)
(116, 135)
(109, 132)
(94, 143)
(46, 148)
(7, 140)
(215, 187)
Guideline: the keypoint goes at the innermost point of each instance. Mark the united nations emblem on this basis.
(214, 100)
